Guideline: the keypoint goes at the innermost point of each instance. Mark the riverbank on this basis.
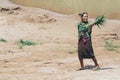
(94, 7)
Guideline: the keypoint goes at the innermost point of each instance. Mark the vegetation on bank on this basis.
(2, 40)
(110, 46)
(21, 43)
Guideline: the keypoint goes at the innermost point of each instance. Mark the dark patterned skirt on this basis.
(85, 49)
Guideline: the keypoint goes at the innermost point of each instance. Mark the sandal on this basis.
(96, 68)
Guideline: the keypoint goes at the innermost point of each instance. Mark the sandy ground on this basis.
(57, 35)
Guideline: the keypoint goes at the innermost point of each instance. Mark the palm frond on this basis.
(100, 20)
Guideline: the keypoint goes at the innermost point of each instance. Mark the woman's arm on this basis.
(91, 25)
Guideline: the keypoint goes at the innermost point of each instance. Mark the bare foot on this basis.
(80, 69)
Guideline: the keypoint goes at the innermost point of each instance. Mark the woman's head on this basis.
(84, 17)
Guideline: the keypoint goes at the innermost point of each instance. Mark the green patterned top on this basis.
(84, 30)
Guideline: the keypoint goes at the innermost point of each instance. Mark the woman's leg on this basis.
(79, 55)
(82, 64)
(95, 61)
(96, 64)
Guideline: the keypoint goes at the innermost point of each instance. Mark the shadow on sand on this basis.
(90, 67)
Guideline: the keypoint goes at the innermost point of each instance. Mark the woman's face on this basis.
(84, 18)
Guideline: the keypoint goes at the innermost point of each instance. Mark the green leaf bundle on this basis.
(100, 20)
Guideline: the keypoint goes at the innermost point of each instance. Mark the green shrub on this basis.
(3, 40)
(21, 43)
(72, 51)
(109, 46)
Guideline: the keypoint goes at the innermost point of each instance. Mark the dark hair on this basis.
(81, 14)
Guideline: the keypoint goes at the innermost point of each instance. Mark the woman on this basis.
(85, 49)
